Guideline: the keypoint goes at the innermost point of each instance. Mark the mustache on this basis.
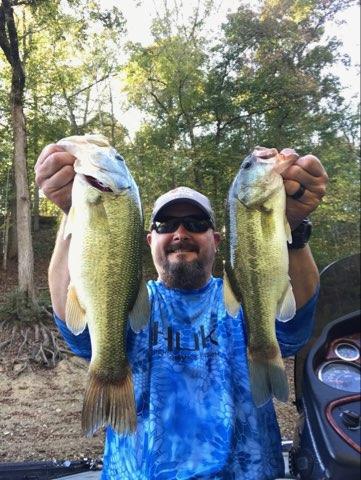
(182, 246)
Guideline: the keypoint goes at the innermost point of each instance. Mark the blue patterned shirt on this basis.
(196, 417)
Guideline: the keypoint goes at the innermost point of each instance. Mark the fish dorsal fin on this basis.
(74, 313)
(286, 308)
(230, 301)
(140, 313)
(70, 221)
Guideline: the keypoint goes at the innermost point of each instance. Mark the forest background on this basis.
(203, 94)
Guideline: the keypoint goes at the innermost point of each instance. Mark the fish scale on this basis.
(119, 305)
(256, 276)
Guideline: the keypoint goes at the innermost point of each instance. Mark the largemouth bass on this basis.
(106, 227)
(256, 269)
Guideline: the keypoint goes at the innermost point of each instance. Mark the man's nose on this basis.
(181, 233)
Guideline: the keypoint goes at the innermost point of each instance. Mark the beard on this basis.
(183, 274)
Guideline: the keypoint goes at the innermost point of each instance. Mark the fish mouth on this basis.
(97, 184)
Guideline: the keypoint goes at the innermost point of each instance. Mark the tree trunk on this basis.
(35, 146)
(10, 46)
(74, 125)
(23, 209)
(5, 240)
(6, 210)
(13, 238)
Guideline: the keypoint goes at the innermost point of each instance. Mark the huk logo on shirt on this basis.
(173, 338)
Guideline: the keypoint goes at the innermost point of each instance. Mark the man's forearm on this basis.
(304, 274)
(59, 273)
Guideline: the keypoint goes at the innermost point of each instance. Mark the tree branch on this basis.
(91, 85)
(12, 48)
(163, 107)
(156, 80)
(4, 42)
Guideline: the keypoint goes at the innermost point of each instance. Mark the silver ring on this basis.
(299, 192)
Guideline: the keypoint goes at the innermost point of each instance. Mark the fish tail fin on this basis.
(268, 378)
(109, 403)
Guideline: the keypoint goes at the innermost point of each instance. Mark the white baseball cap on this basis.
(186, 195)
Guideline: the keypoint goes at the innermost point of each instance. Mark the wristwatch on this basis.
(301, 235)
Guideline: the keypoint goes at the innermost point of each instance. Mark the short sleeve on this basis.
(79, 344)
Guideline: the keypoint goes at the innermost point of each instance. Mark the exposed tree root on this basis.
(32, 346)
(28, 336)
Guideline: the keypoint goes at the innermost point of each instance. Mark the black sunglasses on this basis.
(191, 223)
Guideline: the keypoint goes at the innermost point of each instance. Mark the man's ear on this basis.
(217, 238)
(149, 239)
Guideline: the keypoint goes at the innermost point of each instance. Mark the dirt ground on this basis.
(40, 415)
(40, 408)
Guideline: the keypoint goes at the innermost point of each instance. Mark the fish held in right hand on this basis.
(106, 227)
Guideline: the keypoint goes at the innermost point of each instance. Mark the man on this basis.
(196, 417)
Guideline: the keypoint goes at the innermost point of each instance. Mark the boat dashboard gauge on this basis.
(341, 375)
(340, 365)
(347, 351)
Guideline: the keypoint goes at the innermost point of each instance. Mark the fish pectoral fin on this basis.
(70, 221)
(286, 308)
(230, 301)
(74, 313)
(140, 313)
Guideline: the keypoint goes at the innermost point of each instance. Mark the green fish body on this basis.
(256, 269)
(106, 227)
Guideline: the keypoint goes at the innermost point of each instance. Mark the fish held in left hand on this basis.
(256, 268)
(106, 287)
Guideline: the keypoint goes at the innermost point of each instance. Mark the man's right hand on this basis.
(54, 174)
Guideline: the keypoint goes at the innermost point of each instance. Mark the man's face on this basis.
(183, 259)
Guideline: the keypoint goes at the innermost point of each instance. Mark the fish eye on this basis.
(247, 165)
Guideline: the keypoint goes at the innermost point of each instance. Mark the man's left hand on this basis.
(306, 178)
